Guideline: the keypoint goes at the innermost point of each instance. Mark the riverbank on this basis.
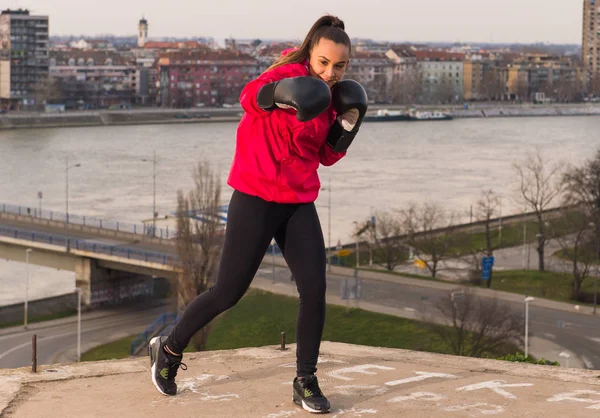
(150, 116)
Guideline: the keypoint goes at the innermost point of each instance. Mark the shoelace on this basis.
(312, 385)
(173, 369)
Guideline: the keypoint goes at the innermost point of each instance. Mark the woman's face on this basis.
(328, 61)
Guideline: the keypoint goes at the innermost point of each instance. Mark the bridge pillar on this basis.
(87, 276)
(83, 279)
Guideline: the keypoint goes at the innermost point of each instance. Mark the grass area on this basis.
(584, 255)
(115, 349)
(542, 284)
(40, 318)
(259, 318)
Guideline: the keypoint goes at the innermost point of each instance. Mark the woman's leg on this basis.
(301, 241)
(251, 224)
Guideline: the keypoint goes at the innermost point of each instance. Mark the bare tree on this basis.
(521, 86)
(429, 232)
(582, 187)
(566, 89)
(594, 85)
(384, 238)
(488, 207)
(578, 247)
(47, 90)
(538, 185)
(406, 85)
(444, 92)
(473, 326)
(198, 239)
(493, 86)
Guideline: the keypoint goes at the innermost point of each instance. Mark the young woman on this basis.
(297, 114)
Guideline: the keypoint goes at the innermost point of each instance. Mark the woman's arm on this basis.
(328, 156)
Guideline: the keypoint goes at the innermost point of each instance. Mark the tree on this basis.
(594, 85)
(198, 239)
(473, 326)
(578, 247)
(492, 87)
(538, 186)
(47, 90)
(384, 239)
(582, 187)
(406, 85)
(566, 89)
(429, 231)
(488, 207)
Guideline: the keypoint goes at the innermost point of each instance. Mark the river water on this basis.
(388, 165)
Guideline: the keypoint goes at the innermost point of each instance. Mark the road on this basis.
(577, 333)
(57, 340)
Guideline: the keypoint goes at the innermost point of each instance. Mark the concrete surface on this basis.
(256, 382)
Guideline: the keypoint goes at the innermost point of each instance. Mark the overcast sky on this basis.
(551, 21)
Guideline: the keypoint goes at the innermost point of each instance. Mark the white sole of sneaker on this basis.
(308, 408)
(153, 368)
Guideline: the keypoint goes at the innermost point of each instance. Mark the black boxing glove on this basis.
(309, 96)
(350, 103)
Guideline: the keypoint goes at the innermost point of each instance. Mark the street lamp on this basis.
(527, 300)
(27, 252)
(79, 292)
(153, 193)
(597, 257)
(67, 167)
(328, 188)
(357, 244)
(40, 195)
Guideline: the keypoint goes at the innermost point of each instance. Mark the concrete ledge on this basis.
(256, 382)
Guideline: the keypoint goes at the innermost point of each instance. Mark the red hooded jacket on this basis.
(276, 156)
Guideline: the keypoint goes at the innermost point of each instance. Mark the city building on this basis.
(93, 79)
(590, 50)
(483, 79)
(405, 79)
(375, 71)
(441, 75)
(203, 77)
(23, 57)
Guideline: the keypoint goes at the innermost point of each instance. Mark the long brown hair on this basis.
(328, 27)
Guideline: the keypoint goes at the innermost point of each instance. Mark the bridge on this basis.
(98, 251)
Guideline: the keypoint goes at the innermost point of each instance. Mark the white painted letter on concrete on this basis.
(482, 408)
(363, 369)
(495, 386)
(576, 397)
(423, 396)
(421, 376)
(366, 390)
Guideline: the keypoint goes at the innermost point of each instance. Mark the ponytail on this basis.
(328, 27)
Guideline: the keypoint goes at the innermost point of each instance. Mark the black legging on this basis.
(251, 224)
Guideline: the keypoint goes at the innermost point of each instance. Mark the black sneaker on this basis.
(308, 395)
(163, 366)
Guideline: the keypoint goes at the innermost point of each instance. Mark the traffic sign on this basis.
(486, 267)
(343, 253)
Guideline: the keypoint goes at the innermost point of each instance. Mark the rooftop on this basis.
(256, 382)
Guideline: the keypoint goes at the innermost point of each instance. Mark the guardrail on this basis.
(162, 322)
(138, 229)
(83, 245)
